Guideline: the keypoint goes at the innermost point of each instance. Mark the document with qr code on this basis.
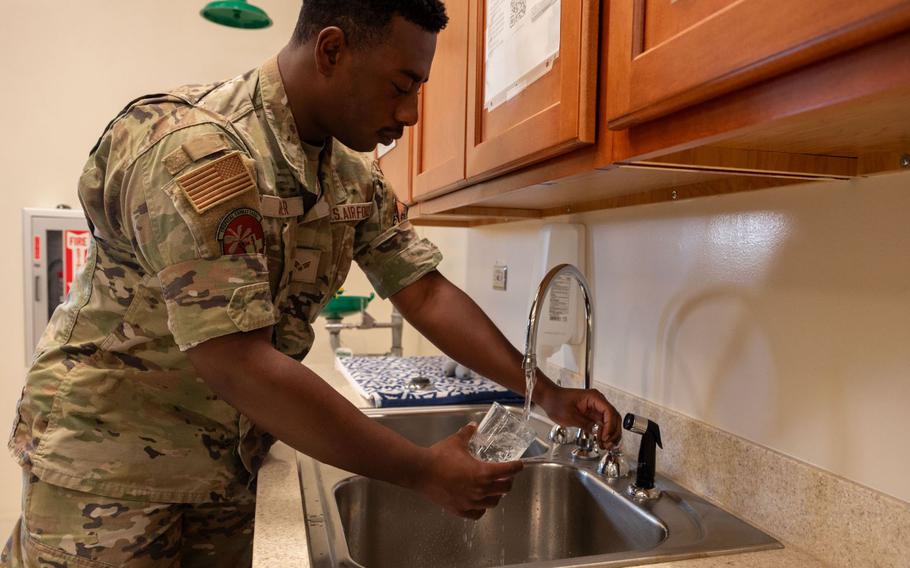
(521, 40)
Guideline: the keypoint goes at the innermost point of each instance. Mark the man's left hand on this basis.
(583, 408)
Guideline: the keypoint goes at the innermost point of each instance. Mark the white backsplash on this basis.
(778, 315)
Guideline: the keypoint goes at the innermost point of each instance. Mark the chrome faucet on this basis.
(587, 444)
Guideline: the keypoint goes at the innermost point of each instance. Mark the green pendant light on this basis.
(236, 14)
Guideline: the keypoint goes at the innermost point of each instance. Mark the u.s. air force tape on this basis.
(352, 212)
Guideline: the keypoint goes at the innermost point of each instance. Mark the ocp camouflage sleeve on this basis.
(387, 247)
(195, 223)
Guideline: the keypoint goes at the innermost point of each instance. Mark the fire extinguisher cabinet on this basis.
(55, 248)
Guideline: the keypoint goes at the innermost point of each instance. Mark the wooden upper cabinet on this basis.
(553, 114)
(439, 135)
(396, 167)
(665, 55)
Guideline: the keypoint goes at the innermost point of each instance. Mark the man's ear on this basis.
(330, 44)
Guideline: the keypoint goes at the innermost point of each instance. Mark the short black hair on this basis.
(364, 21)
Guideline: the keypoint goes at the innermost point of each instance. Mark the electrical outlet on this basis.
(500, 276)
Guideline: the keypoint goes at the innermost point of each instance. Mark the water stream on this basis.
(493, 454)
(530, 380)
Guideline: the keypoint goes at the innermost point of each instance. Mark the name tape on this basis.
(281, 207)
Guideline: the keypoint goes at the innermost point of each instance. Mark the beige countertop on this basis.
(280, 537)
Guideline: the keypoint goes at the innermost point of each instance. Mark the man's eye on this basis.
(399, 90)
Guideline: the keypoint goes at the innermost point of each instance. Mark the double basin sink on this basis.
(560, 512)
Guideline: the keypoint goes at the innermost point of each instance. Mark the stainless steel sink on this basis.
(551, 513)
(559, 513)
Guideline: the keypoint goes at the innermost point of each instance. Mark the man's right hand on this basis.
(460, 483)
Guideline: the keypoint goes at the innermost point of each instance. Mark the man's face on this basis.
(378, 85)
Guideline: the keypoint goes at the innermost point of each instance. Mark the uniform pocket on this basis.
(44, 509)
(39, 554)
(333, 266)
(67, 528)
(220, 211)
(251, 306)
(235, 224)
(345, 248)
(309, 298)
(277, 239)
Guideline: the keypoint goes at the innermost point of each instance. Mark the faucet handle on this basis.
(587, 444)
(614, 464)
(561, 435)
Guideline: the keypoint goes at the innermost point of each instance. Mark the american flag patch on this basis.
(216, 182)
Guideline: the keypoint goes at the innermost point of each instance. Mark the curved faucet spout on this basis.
(588, 445)
(530, 358)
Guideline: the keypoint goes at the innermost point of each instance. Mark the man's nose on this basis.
(407, 112)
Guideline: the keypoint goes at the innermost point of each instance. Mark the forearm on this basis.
(294, 404)
(455, 323)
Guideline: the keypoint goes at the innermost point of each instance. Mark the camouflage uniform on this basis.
(208, 218)
(80, 530)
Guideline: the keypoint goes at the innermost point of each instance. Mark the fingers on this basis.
(609, 428)
(494, 483)
(500, 486)
(495, 471)
(612, 433)
(598, 410)
(488, 502)
(595, 414)
(486, 499)
(467, 431)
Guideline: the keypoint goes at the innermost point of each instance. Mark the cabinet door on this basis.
(551, 115)
(439, 134)
(668, 54)
(396, 166)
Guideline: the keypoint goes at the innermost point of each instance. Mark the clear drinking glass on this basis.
(501, 436)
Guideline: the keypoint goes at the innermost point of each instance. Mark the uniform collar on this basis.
(281, 121)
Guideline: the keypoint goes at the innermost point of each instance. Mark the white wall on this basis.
(68, 68)
(782, 316)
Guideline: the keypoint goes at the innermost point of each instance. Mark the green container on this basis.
(341, 306)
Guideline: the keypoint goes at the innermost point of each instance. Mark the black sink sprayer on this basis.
(650, 436)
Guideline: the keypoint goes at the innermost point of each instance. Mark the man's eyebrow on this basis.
(416, 77)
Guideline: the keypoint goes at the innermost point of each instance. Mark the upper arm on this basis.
(194, 223)
(387, 247)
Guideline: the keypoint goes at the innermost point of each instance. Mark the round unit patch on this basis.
(240, 232)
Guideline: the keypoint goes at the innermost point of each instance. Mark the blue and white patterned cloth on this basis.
(384, 382)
